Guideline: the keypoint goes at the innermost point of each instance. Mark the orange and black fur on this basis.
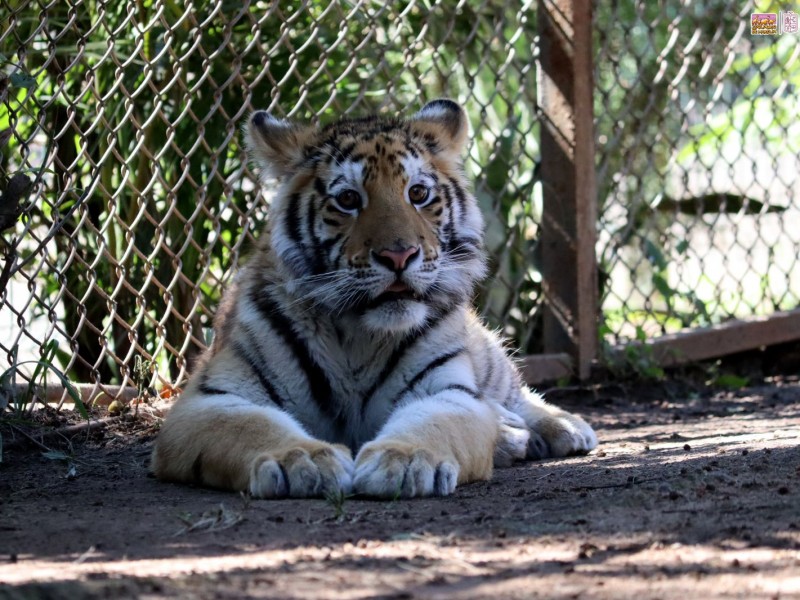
(347, 356)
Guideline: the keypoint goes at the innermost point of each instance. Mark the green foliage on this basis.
(760, 112)
(680, 89)
(13, 406)
(131, 124)
(337, 501)
(730, 381)
(38, 380)
(148, 176)
(636, 359)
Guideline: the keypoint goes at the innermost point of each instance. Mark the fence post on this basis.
(568, 232)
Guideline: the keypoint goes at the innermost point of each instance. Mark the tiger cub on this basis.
(350, 333)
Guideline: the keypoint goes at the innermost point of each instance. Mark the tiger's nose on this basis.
(396, 260)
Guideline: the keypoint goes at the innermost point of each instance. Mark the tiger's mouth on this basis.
(396, 292)
(397, 286)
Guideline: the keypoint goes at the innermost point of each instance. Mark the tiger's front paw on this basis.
(306, 470)
(397, 470)
(560, 434)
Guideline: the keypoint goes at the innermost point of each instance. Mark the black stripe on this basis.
(339, 252)
(319, 186)
(447, 230)
(318, 381)
(345, 152)
(430, 143)
(462, 388)
(326, 245)
(335, 154)
(204, 388)
(317, 266)
(447, 233)
(390, 365)
(260, 359)
(436, 200)
(242, 352)
(293, 219)
(297, 258)
(462, 248)
(435, 319)
(434, 364)
(462, 197)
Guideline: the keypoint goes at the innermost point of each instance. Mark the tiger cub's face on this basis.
(374, 217)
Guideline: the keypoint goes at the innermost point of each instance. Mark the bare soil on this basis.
(693, 493)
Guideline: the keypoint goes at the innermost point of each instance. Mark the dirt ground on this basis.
(693, 493)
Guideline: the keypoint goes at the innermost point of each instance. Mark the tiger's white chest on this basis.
(353, 362)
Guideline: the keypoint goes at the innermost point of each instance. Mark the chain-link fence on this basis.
(126, 117)
(698, 155)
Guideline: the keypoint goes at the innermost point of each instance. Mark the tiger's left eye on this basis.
(348, 200)
(418, 194)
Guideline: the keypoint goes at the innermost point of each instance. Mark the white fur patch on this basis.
(396, 316)
(412, 165)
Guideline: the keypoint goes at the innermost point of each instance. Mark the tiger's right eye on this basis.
(348, 200)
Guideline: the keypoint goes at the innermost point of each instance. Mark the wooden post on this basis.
(568, 232)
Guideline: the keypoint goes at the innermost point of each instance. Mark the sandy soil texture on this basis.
(692, 494)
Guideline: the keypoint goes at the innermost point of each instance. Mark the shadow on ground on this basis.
(686, 496)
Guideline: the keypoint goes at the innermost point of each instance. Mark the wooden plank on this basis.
(568, 231)
(545, 367)
(727, 338)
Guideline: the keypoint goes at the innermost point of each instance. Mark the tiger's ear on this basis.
(277, 145)
(446, 120)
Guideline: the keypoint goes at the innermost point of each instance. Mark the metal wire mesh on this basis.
(126, 115)
(698, 142)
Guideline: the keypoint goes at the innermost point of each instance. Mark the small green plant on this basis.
(337, 501)
(142, 369)
(38, 380)
(18, 403)
(636, 359)
(728, 381)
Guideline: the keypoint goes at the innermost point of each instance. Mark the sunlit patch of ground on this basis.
(685, 498)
